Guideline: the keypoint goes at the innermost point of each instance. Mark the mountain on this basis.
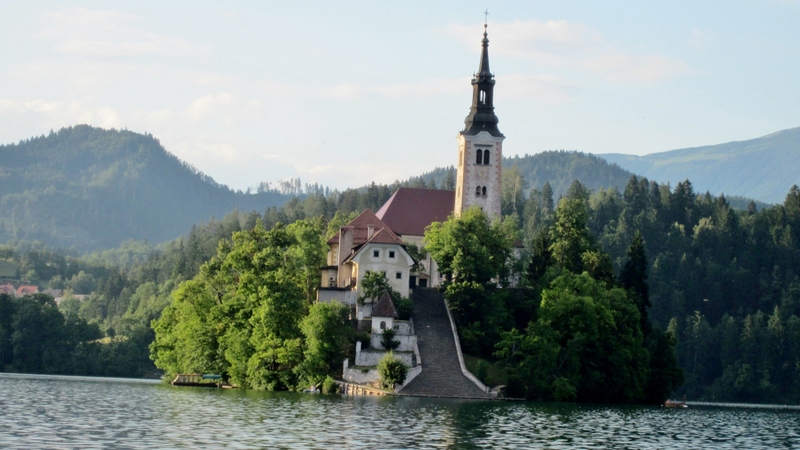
(88, 188)
(763, 168)
(558, 167)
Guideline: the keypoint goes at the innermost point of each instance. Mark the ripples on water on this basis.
(77, 412)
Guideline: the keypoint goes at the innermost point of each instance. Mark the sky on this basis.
(348, 92)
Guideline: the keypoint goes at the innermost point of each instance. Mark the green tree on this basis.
(634, 279)
(325, 335)
(570, 235)
(392, 370)
(240, 315)
(586, 345)
(470, 248)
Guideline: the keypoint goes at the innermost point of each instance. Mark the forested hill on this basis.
(561, 168)
(557, 167)
(88, 188)
(763, 169)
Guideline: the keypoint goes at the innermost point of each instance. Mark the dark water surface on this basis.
(77, 412)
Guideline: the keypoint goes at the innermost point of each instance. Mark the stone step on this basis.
(441, 372)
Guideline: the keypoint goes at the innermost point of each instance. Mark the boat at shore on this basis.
(200, 380)
(675, 403)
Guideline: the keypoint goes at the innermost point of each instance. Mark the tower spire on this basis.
(481, 114)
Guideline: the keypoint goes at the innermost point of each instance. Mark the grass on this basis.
(495, 375)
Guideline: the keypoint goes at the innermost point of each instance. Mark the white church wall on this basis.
(406, 342)
(371, 357)
(400, 263)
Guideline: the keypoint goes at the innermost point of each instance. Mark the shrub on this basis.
(388, 341)
(404, 307)
(329, 386)
(391, 370)
(363, 337)
(482, 370)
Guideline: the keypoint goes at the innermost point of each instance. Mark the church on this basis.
(376, 241)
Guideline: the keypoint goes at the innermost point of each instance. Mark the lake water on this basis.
(78, 412)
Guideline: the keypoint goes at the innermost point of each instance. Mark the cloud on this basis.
(62, 112)
(427, 88)
(108, 33)
(548, 89)
(573, 46)
(623, 67)
(224, 108)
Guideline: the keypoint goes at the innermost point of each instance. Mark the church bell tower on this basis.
(480, 146)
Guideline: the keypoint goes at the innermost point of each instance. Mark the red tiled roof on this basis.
(384, 307)
(25, 290)
(382, 236)
(408, 211)
(361, 226)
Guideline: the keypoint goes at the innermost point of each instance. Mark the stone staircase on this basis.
(441, 373)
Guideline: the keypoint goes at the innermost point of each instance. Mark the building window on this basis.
(376, 253)
(479, 156)
(483, 97)
(486, 157)
(384, 273)
(391, 253)
(478, 191)
(398, 275)
(383, 325)
(483, 191)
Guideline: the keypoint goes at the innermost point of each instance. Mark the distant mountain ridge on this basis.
(88, 188)
(763, 168)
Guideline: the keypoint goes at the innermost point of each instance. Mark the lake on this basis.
(39, 411)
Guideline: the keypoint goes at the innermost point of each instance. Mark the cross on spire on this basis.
(485, 18)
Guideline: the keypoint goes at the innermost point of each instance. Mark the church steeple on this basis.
(481, 114)
(479, 174)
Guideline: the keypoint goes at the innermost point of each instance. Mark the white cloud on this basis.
(623, 67)
(426, 88)
(572, 46)
(548, 89)
(108, 33)
(62, 112)
(345, 91)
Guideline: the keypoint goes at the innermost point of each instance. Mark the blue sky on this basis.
(344, 93)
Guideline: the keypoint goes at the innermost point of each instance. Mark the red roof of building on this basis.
(25, 290)
(409, 210)
(367, 227)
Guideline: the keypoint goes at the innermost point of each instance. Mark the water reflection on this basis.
(75, 412)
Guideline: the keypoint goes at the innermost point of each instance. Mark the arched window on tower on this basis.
(483, 97)
(478, 191)
(479, 156)
(484, 191)
(486, 157)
